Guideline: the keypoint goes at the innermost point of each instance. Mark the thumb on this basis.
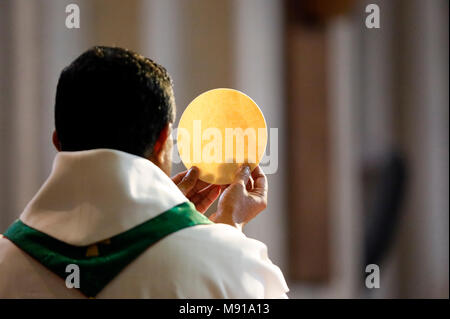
(189, 180)
(242, 175)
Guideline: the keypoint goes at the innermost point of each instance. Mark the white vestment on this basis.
(91, 196)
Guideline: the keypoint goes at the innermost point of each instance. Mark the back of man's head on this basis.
(113, 98)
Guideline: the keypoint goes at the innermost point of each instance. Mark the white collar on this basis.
(93, 195)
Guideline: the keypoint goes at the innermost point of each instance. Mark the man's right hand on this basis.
(242, 200)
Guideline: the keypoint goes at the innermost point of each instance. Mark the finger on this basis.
(197, 187)
(211, 195)
(204, 199)
(199, 196)
(259, 181)
(189, 180)
(242, 175)
(178, 177)
(249, 185)
(213, 216)
(259, 178)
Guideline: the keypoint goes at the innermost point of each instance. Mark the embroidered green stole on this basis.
(99, 263)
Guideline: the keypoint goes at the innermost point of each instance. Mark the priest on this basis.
(110, 223)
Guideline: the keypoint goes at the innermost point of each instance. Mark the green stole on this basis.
(99, 263)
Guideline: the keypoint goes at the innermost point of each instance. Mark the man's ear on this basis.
(56, 142)
(158, 148)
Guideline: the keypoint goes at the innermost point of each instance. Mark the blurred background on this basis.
(362, 119)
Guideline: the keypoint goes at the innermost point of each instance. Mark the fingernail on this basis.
(194, 171)
(188, 174)
(193, 168)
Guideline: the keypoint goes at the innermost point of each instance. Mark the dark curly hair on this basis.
(113, 98)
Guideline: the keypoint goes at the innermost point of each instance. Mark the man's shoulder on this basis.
(216, 238)
(203, 261)
(219, 250)
(214, 249)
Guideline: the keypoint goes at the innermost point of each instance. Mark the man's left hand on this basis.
(200, 193)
